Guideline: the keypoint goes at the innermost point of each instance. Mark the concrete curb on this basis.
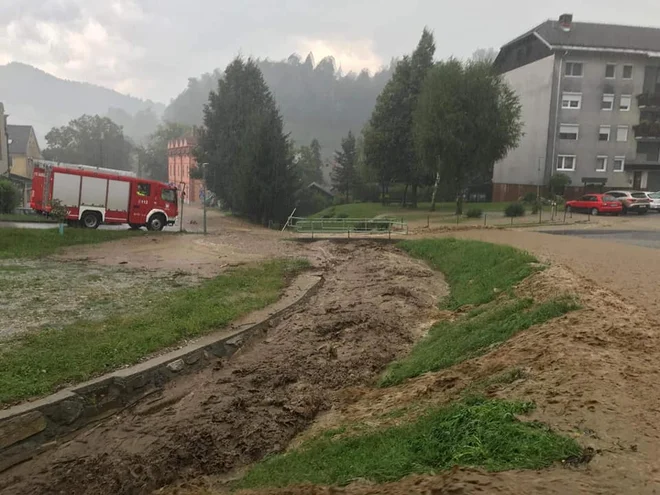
(31, 428)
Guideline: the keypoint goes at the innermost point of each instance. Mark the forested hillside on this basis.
(316, 101)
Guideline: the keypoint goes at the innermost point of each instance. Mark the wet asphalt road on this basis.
(646, 238)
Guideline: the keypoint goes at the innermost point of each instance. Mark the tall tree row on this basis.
(244, 143)
(389, 145)
(467, 119)
(442, 123)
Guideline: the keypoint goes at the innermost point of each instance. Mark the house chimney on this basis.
(566, 22)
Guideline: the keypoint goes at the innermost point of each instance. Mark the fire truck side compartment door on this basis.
(66, 188)
(118, 195)
(93, 192)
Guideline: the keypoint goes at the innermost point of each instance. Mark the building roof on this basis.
(20, 136)
(316, 185)
(598, 36)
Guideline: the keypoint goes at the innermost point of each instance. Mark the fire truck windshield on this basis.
(169, 195)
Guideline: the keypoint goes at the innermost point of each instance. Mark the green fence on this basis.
(348, 226)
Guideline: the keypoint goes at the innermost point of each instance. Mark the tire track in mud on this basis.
(373, 305)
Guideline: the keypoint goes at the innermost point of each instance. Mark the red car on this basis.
(597, 204)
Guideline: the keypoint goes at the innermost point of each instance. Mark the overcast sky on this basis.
(149, 48)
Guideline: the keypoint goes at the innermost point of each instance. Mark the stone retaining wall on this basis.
(29, 429)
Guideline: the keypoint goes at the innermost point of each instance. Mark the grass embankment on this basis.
(30, 243)
(474, 431)
(41, 362)
(481, 275)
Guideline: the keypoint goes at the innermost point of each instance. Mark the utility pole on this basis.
(204, 166)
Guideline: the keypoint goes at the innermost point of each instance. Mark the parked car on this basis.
(655, 200)
(633, 201)
(596, 204)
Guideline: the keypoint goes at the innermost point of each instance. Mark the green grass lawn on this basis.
(43, 361)
(13, 217)
(371, 210)
(31, 243)
(474, 432)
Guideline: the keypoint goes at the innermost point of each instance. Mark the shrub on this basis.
(10, 197)
(343, 215)
(535, 208)
(514, 210)
(474, 213)
(529, 198)
(310, 202)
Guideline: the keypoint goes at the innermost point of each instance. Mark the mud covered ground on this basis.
(374, 303)
(593, 375)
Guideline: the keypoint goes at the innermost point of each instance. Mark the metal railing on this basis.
(348, 226)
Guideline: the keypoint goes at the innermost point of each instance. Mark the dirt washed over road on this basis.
(374, 303)
(631, 271)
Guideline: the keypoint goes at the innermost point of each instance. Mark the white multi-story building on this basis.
(590, 96)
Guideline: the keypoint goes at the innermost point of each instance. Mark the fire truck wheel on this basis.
(156, 222)
(91, 220)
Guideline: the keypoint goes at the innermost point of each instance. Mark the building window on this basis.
(601, 164)
(568, 131)
(571, 100)
(622, 133)
(627, 71)
(604, 133)
(573, 69)
(566, 162)
(610, 71)
(625, 102)
(619, 163)
(607, 103)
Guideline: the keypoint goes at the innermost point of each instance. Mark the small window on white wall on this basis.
(566, 162)
(601, 164)
(627, 71)
(622, 133)
(573, 69)
(607, 102)
(610, 70)
(571, 100)
(625, 102)
(619, 163)
(604, 133)
(569, 132)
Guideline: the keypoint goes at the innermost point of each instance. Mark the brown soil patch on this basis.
(374, 303)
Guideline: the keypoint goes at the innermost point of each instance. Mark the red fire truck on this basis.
(96, 195)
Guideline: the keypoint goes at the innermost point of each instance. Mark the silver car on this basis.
(632, 201)
(655, 200)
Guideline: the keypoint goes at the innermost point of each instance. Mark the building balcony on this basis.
(649, 101)
(647, 131)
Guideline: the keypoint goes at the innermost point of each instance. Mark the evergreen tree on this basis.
(243, 141)
(389, 144)
(308, 161)
(344, 175)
